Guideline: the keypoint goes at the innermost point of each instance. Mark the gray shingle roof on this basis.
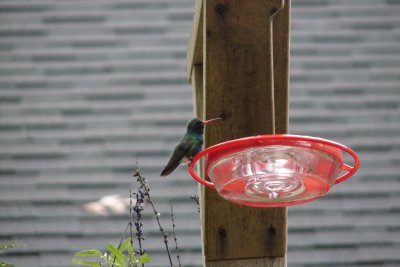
(345, 86)
(90, 87)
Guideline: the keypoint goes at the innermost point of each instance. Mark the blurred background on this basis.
(90, 87)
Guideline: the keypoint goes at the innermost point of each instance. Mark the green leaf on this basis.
(145, 258)
(87, 263)
(119, 257)
(126, 245)
(5, 264)
(132, 260)
(88, 252)
(9, 245)
(116, 252)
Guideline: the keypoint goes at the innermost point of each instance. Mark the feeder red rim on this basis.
(286, 137)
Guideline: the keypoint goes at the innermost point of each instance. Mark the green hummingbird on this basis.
(188, 146)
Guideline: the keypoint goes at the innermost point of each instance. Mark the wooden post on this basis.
(237, 80)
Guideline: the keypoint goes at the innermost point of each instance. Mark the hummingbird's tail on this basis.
(169, 168)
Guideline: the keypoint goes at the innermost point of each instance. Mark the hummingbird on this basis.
(188, 146)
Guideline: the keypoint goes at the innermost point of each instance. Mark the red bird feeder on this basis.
(275, 170)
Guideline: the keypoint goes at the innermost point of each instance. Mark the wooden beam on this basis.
(281, 50)
(238, 83)
(198, 88)
(194, 54)
(269, 262)
(236, 55)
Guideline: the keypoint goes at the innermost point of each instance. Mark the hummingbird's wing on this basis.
(180, 151)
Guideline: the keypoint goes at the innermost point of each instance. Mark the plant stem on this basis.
(130, 215)
(143, 184)
(120, 242)
(164, 234)
(138, 209)
(173, 232)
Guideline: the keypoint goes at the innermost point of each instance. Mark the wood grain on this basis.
(238, 84)
(194, 54)
(281, 47)
(198, 88)
(264, 262)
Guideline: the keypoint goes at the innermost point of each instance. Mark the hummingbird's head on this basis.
(197, 126)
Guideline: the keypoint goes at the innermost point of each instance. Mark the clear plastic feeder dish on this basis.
(275, 170)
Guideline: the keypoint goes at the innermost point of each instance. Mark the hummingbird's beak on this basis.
(209, 121)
